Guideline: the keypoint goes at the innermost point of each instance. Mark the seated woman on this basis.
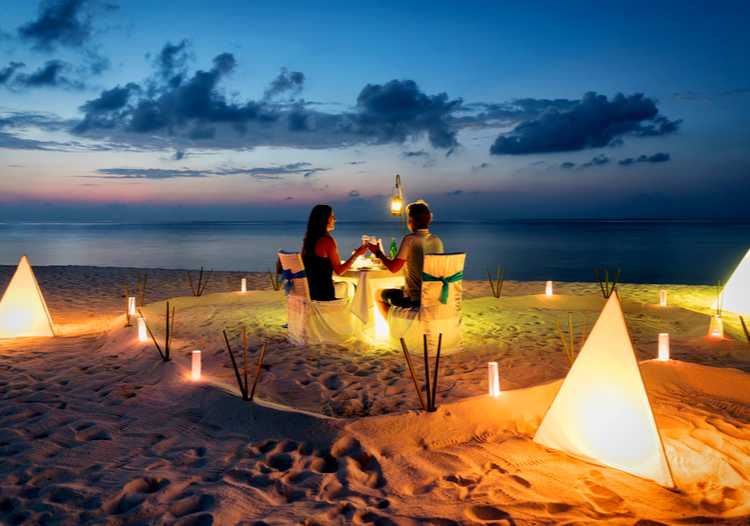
(320, 254)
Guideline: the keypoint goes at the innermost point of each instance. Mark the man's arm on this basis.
(394, 265)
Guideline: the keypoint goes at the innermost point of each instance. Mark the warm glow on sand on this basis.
(23, 311)
(602, 412)
(381, 326)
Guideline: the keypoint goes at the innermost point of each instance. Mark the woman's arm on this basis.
(332, 252)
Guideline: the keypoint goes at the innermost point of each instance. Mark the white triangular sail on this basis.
(23, 311)
(602, 413)
(736, 294)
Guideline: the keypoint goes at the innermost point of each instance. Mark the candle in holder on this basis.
(142, 332)
(663, 347)
(716, 329)
(548, 289)
(131, 305)
(195, 373)
(494, 379)
(243, 285)
(662, 298)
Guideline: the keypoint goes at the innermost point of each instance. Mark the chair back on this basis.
(291, 265)
(442, 283)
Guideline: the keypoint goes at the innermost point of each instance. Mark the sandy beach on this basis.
(96, 429)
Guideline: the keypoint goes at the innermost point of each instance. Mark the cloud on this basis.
(289, 82)
(264, 172)
(599, 160)
(172, 61)
(354, 194)
(593, 122)
(660, 157)
(480, 167)
(59, 22)
(8, 71)
(398, 110)
(416, 153)
(54, 73)
(567, 165)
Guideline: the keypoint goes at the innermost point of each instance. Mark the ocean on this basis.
(645, 251)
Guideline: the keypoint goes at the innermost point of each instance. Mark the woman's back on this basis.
(319, 271)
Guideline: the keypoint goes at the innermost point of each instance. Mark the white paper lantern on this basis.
(548, 289)
(662, 298)
(663, 347)
(142, 332)
(243, 285)
(494, 379)
(195, 373)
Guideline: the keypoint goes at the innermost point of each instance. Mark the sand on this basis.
(95, 428)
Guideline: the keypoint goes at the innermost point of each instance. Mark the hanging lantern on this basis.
(716, 329)
(397, 199)
(494, 379)
(662, 298)
(663, 347)
(195, 373)
(548, 289)
(142, 332)
(243, 285)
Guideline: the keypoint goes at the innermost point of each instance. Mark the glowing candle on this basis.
(243, 285)
(195, 374)
(548, 289)
(716, 329)
(494, 379)
(142, 332)
(131, 305)
(663, 346)
(662, 298)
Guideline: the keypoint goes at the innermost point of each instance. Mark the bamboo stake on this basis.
(243, 388)
(744, 328)
(258, 370)
(413, 375)
(168, 333)
(245, 349)
(153, 338)
(427, 373)
(435, 372)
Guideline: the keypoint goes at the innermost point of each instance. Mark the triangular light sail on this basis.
(23, 311)
(736, 294)
(602, 413)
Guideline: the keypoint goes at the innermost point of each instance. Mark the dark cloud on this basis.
(288, 82)
(480, 166)
(53, 74)
(354, 194)
(415, 153)
(8, 71)
(398, 110)
(59, 22)
(593, 122)
(264, 172)
(599, 160)
(172, 62)
(660, 157)
(179, 155)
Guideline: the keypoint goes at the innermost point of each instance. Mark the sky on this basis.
(192, 110)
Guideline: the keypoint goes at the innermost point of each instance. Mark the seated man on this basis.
(411, 253)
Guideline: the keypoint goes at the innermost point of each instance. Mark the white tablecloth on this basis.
(369, 283)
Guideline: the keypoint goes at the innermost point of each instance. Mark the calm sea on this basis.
(647, 252)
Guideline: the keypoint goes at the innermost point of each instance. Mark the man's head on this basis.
(419, 215)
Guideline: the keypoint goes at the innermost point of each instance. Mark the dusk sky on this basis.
(225, 110)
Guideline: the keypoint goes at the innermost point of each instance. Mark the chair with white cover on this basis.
(309, 321)
(439, 311)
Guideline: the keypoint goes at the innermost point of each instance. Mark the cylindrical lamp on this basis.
(142, 332)
(716, 329)
(663, 347)
(662, 298)
(494, 379)
(131, 305)
(243, 285)
(548, 289)
(195, 373)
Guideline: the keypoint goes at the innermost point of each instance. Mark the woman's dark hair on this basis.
(420, 213)
(317, 227)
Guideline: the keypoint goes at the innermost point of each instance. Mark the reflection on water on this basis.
(657, 252)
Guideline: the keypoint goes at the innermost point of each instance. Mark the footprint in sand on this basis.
(487, 514)
(332, 382)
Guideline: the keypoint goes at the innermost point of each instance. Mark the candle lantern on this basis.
(131, 305)
(243, 285)
(195, 373)
(548, 289)
(142, 332)
(494, 379)
(397, 199)
(663, 347)
(716, 329)
(662, 298)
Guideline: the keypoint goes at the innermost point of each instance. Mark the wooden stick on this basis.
(244, 355)
(167, 334)
(258, 370)
(153, 338)
(427, 373)
(492, 283)
(435, 372)
(243, 389)
(744, 328)
(413, 376)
